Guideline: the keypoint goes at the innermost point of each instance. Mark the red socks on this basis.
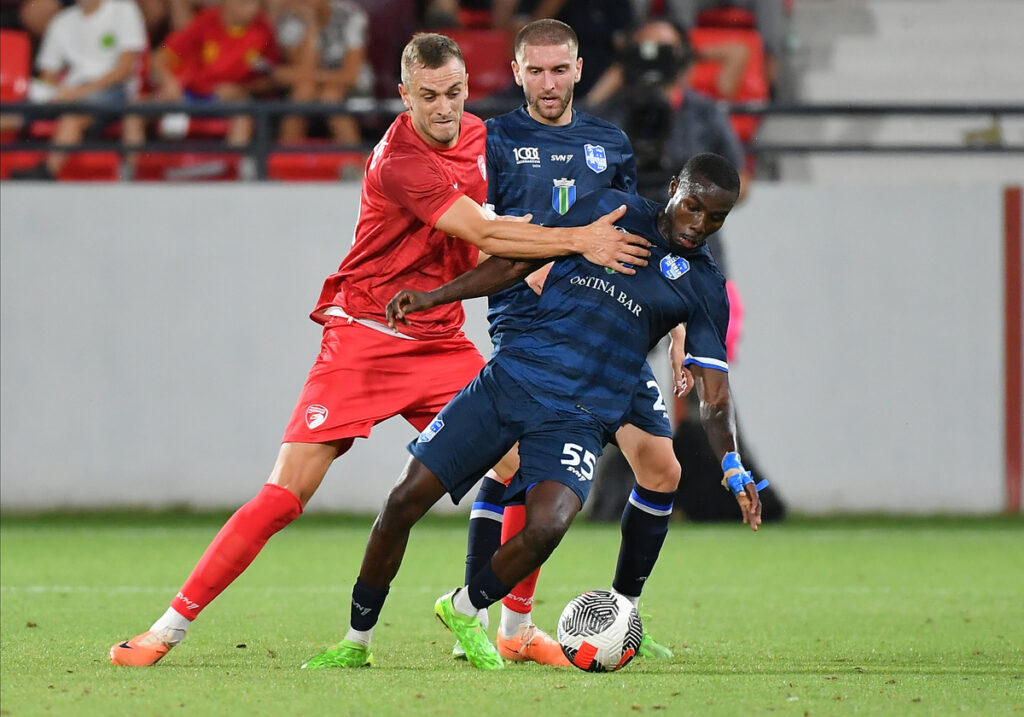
(520, 598)
(236, 546)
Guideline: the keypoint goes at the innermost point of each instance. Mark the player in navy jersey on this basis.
(559, 387)
(541, 157)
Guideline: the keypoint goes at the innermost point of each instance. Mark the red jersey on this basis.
(407, 187)
(207, 53)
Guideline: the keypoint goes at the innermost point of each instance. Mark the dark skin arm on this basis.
(719, 422)
(488, 277)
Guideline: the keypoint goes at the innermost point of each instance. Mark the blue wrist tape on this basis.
(736, 476)
(732, 462)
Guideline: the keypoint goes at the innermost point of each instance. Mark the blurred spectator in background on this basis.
(667, 121)
(323, 43)
(732, 56)
(226, 53)
(89, 54)
(765, 16)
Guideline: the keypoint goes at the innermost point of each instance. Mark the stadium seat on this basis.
(726, 16)
(754, 84)
(475, 18)
(15, 159)
(15, 65)
(91, 167)
(186, 167)
(314, 167)
(488, 56)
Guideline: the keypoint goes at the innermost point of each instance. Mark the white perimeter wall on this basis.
(154, 339)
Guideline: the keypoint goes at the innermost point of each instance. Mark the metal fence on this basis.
(265, 114)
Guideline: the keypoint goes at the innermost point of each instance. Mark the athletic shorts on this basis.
(487, 418)
(364, 376)
(648, 411)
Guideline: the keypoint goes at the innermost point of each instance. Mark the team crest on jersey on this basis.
(315, 415)
(596, 158)
(563, 195)
(430, 431)
(672, 266)
(481, 164)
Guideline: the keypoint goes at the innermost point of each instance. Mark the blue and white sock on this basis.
(484, 524)
(644, 527)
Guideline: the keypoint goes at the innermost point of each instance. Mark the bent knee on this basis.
(661, 476)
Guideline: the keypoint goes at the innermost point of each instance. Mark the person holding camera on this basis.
(667, 121)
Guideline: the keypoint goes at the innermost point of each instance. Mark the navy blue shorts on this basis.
(486, 418)
(648, 411)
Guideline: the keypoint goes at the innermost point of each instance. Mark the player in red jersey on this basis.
(423, 187)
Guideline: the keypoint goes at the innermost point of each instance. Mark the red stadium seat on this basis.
(726, 16)
(475, 18)
(14, 160)
(15, 65)
(91, 167)
(178, 167)
(488, 56)
(754, 84)
(314, 167)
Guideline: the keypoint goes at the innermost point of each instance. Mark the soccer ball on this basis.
(600, 631)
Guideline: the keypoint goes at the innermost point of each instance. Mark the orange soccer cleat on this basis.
(531, 644)
(141, 651)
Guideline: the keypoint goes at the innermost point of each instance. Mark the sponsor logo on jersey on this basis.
(563, 195)
(315, 415)
(430, 431)
(561, 157)
(672, 266)
(481, 164)
(526, 155)
(606, 286)
(596, 158)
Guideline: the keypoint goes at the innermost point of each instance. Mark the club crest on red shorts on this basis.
(315, 415)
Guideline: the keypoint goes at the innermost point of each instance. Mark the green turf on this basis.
(882, 616)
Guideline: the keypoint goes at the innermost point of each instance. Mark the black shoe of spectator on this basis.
(38, 173)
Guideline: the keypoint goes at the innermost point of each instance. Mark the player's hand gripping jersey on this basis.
(407, 187)
(592, 328)
(542, 169)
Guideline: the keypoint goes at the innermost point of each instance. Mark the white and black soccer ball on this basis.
(600, 631)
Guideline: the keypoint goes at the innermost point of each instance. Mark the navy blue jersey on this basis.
(540, 169)
(592, 329)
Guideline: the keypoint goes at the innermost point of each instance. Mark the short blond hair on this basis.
(429, 50)
(545, 33)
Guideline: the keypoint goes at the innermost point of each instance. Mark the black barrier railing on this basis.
(265, 113)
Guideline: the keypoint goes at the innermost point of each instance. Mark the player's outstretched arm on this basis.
(486, 278)
(719, 421)
(599, 242)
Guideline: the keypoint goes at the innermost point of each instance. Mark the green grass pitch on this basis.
(852, 616)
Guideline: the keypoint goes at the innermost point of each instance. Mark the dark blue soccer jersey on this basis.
(540, 169)
(592, 328)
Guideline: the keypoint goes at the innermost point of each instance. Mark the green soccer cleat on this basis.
(649, 647)
(480, 652)
(345, 654)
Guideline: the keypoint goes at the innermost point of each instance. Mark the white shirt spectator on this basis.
(88, 46)
(345, 30)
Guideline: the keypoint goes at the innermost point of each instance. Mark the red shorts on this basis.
(364, 376)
